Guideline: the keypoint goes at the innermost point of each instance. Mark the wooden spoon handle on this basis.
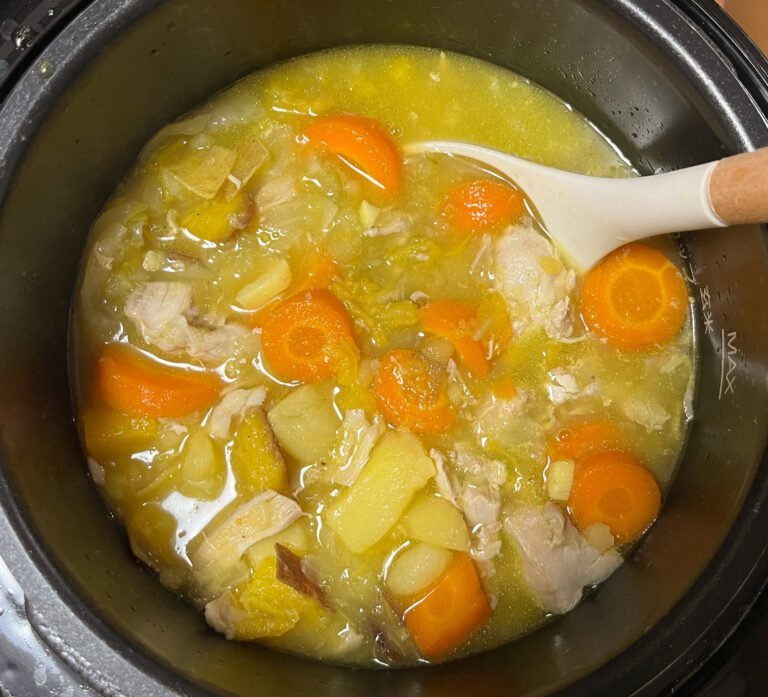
(738, 188)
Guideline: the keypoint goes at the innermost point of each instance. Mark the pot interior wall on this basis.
(179, 53)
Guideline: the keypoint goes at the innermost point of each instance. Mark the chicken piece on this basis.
(478, 481)
(557, 561)
(534, 282)
(644, 412)
(494, 413)
(233, 407)
(444, 485)
(161, 311)
(565, 388)
(217, 558)
(355, 439)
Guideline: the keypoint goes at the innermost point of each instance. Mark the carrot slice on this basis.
(634, 298)
(580, 440)
(613, 488)
(133, 384)
(312, 273)
(482, 205)
(309, 337)
(412, 393)
(457, 321)
(454, 607)
(363, 144)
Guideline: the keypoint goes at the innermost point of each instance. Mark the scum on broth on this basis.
(142, 464)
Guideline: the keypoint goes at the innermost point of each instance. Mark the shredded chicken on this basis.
(648, 414)
(161, 311)
(564, 387)
(477, 481)
(232, 407)
(354, 442)
(444, 485)
(219, 553)
(557, 561)
(223, 615)
(534, 283)
(394, 226)
(493, 413)
(275, 192)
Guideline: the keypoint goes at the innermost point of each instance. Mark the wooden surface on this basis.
(738, 188)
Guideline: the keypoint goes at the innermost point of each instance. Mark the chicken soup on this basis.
(354, 404)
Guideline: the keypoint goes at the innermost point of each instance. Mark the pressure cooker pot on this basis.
(673, 84)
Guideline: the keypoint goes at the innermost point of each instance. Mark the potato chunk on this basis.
(305, 423)
(416, 569)
(397, 469)
(437, 522)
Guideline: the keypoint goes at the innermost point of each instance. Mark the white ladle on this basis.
(588, 217)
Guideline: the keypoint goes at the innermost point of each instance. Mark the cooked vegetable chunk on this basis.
(305, 423)
(635, 298)
(412, 392)
(438, 522)
(417, 567)
(450, 611)
(615, 489)
(133, 384)
(309, 338)
(397, 469)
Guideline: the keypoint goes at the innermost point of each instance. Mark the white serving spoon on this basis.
(588, 217)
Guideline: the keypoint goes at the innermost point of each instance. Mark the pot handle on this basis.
(738, 188)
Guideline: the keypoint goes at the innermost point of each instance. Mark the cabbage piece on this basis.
(204, 171)
(251, 155)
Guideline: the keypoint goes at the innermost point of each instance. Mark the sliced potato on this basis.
(272, 281)
(417, 568)
(438, 522)
(397, 468)
(305, 423)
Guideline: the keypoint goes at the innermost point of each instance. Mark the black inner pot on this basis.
(641, 71)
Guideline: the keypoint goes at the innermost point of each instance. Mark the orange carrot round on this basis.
(483, 205)
(134, 384)
(411, 391)
(313, 271)
(613, 488)
(457, 321)
(580, 440)
(363, 144)
(634, 298)
(454, 607)
(308, 337)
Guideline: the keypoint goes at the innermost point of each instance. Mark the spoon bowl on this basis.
(588, 217)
